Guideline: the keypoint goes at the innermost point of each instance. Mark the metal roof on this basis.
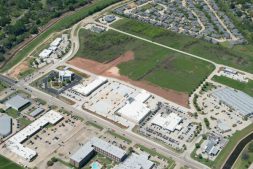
(36, 112)
(136, 161)
(17, 102)
(86, 90)
(81, 153)
(169, 122)
(5, 127)
(109, 148)
(238, 100)
(88, 148)
(135, 110)
(14, 144)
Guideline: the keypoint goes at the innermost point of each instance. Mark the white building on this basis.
(232, 74)
(56, 42)
(45, 53)
(91, 87)
(65, 75)
(14, 144)
(136, 161)
(135, 110)
(168, 122)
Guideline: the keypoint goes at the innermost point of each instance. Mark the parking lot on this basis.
(223, 120)
(175, 139)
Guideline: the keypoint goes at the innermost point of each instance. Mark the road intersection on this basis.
(24, 84)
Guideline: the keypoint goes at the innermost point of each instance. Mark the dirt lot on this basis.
(19, 68)
(100, 68)
(110, 69)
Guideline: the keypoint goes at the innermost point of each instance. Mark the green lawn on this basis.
(245, 87)
(240, 56)
(26, 72)
(152, 63)
(242, 162)
(94, 125)
(12, 112)
(8, 164)
(24, 122)
(66, 22)
(2, 86)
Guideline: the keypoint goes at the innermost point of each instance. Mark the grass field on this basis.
(8, 164)
(245, 87)
(12, 112)
(152, 63)
(240, 56)
(241, 162)
(26, 72)
(62, 24)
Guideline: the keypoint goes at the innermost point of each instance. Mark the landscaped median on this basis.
(64, 23)
(222, 156)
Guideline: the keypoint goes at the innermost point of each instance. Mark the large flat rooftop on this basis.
(238, 100)
(17, 102)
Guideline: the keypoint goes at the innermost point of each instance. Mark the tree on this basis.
(34, 30)
(197, 145)
(54, 159)
(4, 21)
(50, 163)
(204, 136)
(2, 58)
(207, 123)
(245, 156)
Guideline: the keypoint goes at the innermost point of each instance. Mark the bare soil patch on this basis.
(110, 70)
(19, 68)
(100, 68)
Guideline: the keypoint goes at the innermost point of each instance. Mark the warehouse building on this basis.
(135, 109)
(167, 121)
(236, 100)
(17, 102)
(136, 161)
(5, 125)
(96, 145)
(14, 144)
(91, 87)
